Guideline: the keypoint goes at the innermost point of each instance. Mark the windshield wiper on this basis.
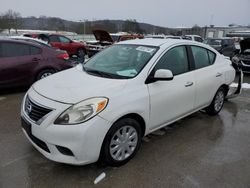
(99, 73)
(104, 74)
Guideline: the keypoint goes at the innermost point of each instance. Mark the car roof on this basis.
(20, 41)
(157, 42)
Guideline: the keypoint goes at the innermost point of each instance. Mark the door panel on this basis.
(171, 99)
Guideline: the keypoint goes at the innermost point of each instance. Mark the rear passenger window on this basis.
(175, 60)
(34, 50)
(201, 58)
(9, 49)
(211, 56)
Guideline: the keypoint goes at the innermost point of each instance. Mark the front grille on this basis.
(34, 111)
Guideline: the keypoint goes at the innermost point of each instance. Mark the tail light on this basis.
(63, 56)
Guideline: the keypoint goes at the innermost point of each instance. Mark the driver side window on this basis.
(175, 60)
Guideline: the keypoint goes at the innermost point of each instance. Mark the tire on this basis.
(117, 148)
(217, 103)
(45, 73)
(81, 55)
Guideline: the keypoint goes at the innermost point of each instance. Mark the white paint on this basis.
(159, 104)
(100, 178)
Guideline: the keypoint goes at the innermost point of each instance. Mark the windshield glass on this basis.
(120, 61)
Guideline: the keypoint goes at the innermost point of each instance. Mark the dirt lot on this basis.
(198, 151)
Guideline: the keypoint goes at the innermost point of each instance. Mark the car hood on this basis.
(245, 44)
(74, 85)
(102, 36)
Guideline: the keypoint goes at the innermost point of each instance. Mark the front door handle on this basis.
(35, 59)
(188, 84)
(218, 74)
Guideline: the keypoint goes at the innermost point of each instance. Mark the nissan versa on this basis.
(102, 109)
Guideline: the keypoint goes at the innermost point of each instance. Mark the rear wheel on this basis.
(217, 103)
(45, 73)
(121, 142)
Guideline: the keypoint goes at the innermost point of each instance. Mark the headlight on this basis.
(82, 111)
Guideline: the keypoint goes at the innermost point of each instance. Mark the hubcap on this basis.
(123, 143)
(219, 99)
(46, 74)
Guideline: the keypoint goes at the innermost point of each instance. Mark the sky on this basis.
(174, 13)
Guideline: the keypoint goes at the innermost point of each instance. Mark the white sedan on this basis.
(101, 110)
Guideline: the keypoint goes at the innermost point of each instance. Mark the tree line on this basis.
(13, 20)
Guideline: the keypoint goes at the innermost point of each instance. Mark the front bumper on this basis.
(73, 144)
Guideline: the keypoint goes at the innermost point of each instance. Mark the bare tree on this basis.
(10, 19)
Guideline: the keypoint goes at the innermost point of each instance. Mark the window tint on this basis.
(34, 50)
(64, 39)
(211, 56)
(201, 58)
(54, 38)
(175, 60)
(14, 49)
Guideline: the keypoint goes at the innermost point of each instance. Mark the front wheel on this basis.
(121, 142)
(217, 103)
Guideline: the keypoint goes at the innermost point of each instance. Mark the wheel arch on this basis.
(136, 117)
(225, 87)
(43, 69)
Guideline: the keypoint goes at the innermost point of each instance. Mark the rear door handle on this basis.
(218, 74)
(188, 84)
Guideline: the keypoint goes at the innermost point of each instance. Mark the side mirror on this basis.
(163, 74)
(160, 75)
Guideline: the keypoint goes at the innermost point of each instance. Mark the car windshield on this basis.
(120, 61)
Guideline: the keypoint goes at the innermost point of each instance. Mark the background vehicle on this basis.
(29, 39)
(167, 37)
(156, 82)
(104, 39)
(64, 43)
(194, 38)
(244, 55)
(22, 62)
(225, 45)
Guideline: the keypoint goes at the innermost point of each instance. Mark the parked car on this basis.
(104, 39)
(167, 37)
(64, 43)
(194, 38)
(224, 45)
(22, 62)
(244, 55)
(118, 37)
(29, 39)
(102, 109)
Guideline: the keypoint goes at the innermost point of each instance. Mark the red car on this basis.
(104, 39)
(22, 62)
(63, 43)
